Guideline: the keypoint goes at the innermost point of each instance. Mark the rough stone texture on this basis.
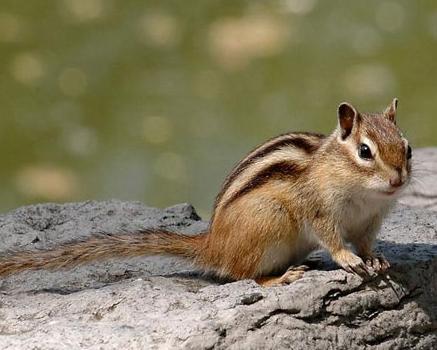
(423, 190)
(164, 303)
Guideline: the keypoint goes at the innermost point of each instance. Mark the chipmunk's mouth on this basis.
(390, 192)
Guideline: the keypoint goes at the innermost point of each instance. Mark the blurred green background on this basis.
(156, 100)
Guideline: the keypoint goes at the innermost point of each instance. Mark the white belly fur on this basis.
(359, 216)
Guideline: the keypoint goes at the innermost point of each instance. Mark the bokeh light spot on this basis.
(157, 129)
(234, 42)
(366, 40)
(27, 68)
(369, 81)
(390, 16)
(432, 24)
(158, 29)
(47, 182)
(81, 141)
(85, 10)
(171, 166)
(299, 7)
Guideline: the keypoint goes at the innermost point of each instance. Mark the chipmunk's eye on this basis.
(409, 152)
(364, 152)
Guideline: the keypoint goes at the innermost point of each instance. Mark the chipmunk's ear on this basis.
(390, 111)
(347, 118)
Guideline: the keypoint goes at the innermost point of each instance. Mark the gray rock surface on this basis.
(164, 303)
(423, 189)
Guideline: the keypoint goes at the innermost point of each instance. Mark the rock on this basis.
(165, 303)
(423, 189)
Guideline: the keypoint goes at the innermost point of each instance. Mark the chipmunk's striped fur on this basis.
(294, 194)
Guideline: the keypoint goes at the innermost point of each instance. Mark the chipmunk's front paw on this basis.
(351, 263)
(378, 263)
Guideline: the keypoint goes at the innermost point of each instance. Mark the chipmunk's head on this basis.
(379, 153)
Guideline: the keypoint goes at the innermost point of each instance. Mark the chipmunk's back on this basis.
(282, 156)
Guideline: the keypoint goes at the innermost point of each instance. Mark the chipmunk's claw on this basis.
(353, 264)
(377, 263)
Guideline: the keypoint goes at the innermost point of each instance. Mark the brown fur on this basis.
(278, 170)
(100, 247)
(392, 149)
(293, 194)
(304, 140)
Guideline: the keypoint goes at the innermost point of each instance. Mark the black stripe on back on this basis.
(294, 140)
(279, 170)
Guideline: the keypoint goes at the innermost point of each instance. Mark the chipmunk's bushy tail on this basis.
(103, 246)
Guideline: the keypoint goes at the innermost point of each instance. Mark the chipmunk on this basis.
(290, 196)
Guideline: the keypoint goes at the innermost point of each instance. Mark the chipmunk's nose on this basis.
(396, 181)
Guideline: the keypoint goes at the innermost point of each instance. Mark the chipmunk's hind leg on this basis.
(291, 275)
